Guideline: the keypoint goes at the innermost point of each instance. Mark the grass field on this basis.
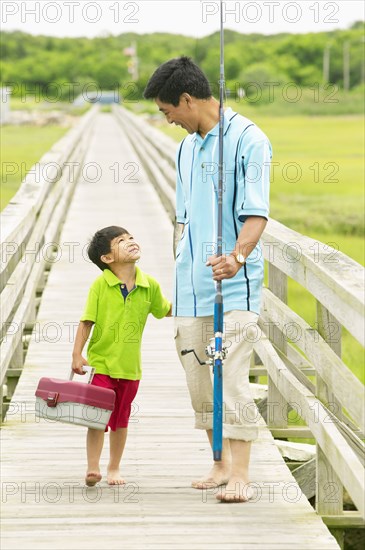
(33, 104)
(21, 147)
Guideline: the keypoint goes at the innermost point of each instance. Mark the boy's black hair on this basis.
(100, 244)
(175, 77)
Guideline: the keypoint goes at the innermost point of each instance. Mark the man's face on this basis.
(183, 115)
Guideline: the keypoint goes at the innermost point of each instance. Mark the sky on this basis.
(194, 18)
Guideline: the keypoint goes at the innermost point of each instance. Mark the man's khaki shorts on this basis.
(240, 414)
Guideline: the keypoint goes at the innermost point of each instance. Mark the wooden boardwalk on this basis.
(45, 504)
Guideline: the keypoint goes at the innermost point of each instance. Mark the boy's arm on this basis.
(161, 307)
(82, 334)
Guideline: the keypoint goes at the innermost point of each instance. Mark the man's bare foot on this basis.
(92, 478)
(236, 490)
(218, 475)
(114, 478)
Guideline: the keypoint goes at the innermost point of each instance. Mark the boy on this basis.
(118, 304)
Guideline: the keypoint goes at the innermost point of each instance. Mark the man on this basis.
(182, 92)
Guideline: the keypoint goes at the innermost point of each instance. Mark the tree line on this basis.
(62, 67)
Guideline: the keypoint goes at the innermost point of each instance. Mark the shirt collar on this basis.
(112, 280)
(228, 115)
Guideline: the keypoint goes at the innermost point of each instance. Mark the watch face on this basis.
(240, 258)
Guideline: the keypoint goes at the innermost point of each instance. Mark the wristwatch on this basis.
(240, 259)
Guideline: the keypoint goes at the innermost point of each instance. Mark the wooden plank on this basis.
(326, 475)
(296, 431)
(347, 520)
(277, 406)
(306, 477)
(164, 145)
(160, 173)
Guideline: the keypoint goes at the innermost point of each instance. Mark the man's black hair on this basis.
(100, 244)
(175, 77)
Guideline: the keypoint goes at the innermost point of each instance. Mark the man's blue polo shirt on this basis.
(247, 157)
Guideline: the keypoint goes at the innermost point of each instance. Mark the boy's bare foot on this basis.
(92, 478)
(218, 475)
(114, 478)
(236, 490)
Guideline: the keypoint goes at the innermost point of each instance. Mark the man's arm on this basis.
(253, 196)
(250, 235)
(226, 267)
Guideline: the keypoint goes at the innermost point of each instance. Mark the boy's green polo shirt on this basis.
(115, 346)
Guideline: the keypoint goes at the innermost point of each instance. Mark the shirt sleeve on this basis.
(91, 307)
(180, 200)
(254, 190)
(160, 306)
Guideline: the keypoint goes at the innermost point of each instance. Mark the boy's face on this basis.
(183, 115)
(123, 250)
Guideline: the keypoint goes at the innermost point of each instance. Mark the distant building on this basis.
(106, 97)
(5, 94)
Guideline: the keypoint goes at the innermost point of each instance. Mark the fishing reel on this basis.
(209, 352)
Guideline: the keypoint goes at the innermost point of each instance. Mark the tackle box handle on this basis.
(86, 369)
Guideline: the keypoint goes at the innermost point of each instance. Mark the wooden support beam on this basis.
(329, 497)
(277, 406)
(258, 371)
(347, 520)
(305, 475)
(297, 431)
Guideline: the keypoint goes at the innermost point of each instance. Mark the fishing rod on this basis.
(215, 350)
(218, 304)
(219, 353)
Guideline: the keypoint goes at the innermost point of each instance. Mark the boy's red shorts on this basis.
(125, 392)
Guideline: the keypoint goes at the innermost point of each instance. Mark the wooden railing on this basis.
(332, 406)
(289, 349)
(30, 227)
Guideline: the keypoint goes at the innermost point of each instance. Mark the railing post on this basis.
(329, 495)
(255, 360)
(15, 367)
(277, 406)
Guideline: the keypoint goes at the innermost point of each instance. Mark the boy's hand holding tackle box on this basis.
(75, 402)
